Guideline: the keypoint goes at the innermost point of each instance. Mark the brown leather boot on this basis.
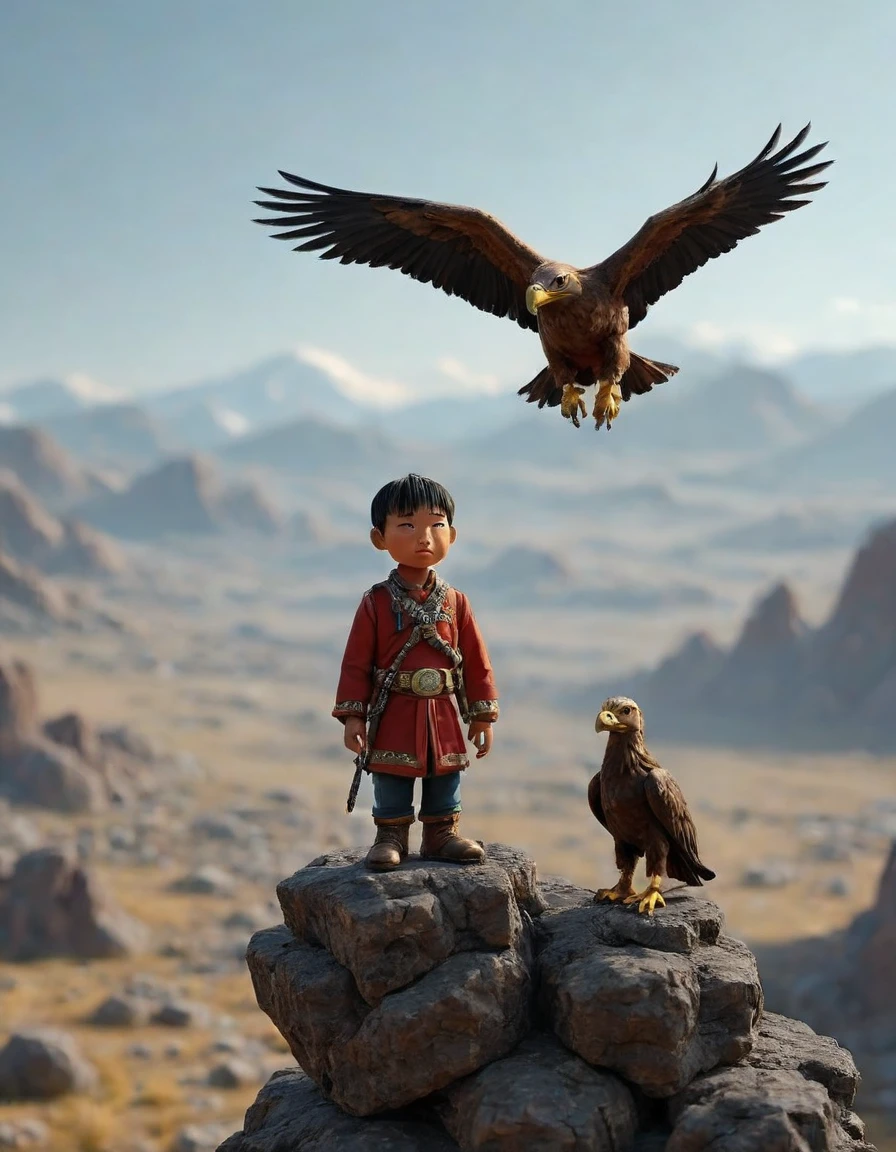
(441, 841)
(391, 844)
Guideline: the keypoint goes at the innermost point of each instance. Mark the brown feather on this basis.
(643, 807)
(461, 250)
(676, 242)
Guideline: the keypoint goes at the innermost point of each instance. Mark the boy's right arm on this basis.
(356, 678)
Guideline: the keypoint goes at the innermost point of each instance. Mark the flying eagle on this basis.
(582, 315)
(642, 807)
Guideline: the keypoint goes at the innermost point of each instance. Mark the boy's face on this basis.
(420, 539)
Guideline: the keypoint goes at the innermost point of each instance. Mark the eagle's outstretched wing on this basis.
(668, 805)
(463, 251)
(674, 243)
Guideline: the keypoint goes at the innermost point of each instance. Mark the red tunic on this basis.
(412, 727)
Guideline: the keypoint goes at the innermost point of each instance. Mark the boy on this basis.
(413, 644)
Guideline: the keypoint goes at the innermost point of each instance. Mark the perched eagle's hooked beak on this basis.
(608, 722)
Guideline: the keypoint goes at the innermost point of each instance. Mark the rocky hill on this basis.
(439, 1007)
(182, 496)
(45, 468)
(33, 535)
(783, 684)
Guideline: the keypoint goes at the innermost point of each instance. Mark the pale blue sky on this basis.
(133, 134)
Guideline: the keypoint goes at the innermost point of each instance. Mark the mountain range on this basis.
(782, 683)
(285, 388)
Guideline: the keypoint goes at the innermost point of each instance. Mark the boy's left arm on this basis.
(479, 681)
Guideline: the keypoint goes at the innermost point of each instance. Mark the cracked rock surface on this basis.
(477, 1008)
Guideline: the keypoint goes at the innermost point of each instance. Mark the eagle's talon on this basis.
(602, 895)
(647, 900)
(571, 404)
(606, 405)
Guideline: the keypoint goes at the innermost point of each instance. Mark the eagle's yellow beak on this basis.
(607, 722)
(536, 295)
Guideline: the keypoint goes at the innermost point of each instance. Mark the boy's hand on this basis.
(354, 735)
(480, 734)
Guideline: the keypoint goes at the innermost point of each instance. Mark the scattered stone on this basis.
(219, 826)
(119, 1012)
(125, 739)
(198, 1138)
(24, 1133)
(838, 886)
(180, 1014)
(41, 1064)
(209, 880)
(232, 1073)
(837, 851)
(774, 874)
(251, 919)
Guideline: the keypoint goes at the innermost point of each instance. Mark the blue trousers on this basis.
(393, 796)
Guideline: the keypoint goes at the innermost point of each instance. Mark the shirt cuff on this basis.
(346, 708)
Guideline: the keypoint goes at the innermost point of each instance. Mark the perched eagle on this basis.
(643, 809)
(581, 314)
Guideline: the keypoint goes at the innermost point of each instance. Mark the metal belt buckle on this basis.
(426, 682)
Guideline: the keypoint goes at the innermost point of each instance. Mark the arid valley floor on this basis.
(214, 628)
(259, 737)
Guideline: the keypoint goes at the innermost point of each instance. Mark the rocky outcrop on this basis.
(390, 986)
(856, 649)
(656, 1000)
(62, 764)
(52, 907)
(476, 1008)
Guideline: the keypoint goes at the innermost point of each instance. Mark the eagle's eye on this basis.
(560, 281)
(624, 711)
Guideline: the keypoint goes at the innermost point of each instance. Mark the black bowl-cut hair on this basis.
(405, 496)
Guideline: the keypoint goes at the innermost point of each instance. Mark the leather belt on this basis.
(425, 682)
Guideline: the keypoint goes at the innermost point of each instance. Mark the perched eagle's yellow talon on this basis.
(650, 898)
(612, 894)
(571, 403)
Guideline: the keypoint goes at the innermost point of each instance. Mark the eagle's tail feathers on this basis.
(683, 866)
(542, 390)
(642, 374)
